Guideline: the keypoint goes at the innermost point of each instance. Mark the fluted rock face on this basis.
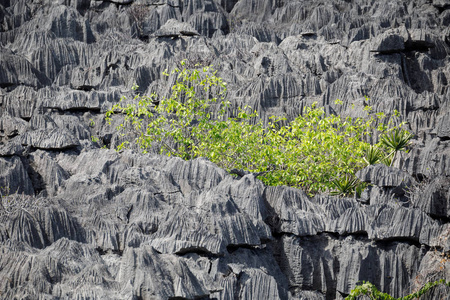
(80, 222)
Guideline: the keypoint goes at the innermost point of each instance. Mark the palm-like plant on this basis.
(345, 186)
(388, 158)
(374, 155)
(395, 141)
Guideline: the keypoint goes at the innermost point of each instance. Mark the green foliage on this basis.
(391, 142)
(175, 124)
(359, 188)
(394, 141)
(374, 155)
(369, 290)
(316, 152)
(345, 186)
(313, 151)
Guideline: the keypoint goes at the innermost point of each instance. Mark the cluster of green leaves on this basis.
(175, 124)
(370, 290)
(315, 151)
(391, 142)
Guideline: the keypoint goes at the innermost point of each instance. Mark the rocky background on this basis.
(81, 222)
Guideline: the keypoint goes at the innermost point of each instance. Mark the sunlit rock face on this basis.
(81, 222)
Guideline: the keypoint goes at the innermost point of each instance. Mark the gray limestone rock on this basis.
(443, 127)
(51, 174)
(22, 102)
(11, 127)
(433, 265)
(441, 3)
(55, 139)
(388, 177)
(389, 42)
(293, 212)
(429, 161)
(82, 222)
(11, 149)
(433, 198)
(173, 29)
(16, 70)
(14, 177)
(397, 222)
(65, 22)
(310, 264)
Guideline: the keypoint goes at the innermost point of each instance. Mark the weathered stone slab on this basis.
(49, 139)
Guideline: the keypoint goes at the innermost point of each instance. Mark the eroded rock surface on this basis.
(81, 222)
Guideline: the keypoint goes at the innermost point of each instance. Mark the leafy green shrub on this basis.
(370, 290)
(311, 152)
(315, 152)
(394, 141)
(391, 142)
(175, 124)
(347, 185)
(374, 155)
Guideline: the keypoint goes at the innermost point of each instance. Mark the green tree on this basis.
(175, 124)
(315, 151)
(370, 290)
